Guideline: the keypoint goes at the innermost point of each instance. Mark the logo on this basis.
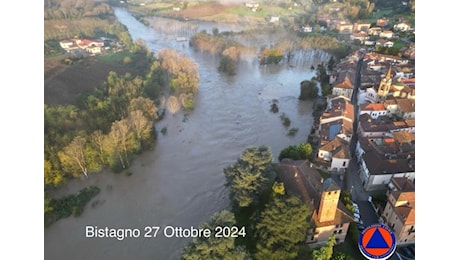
(377, 242)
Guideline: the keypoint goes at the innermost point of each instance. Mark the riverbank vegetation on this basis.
(108, 127)
(268, 222)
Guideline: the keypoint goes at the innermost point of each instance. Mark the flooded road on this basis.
(181, 182)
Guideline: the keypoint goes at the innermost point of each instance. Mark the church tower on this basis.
(329, 200)
(384, 87)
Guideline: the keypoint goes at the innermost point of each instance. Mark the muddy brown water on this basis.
(180, 182)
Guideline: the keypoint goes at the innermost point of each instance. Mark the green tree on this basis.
(216, 247)
(308, 90)
(302, 151)
(249, 176)
(282, 228)
(325, 252)
(227, 65)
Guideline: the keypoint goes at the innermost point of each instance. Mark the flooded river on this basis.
(181, 182)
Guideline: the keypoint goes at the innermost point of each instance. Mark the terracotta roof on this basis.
(301, 180)
(406, 105)
(404, 136)
(372, 107)
(338, 147)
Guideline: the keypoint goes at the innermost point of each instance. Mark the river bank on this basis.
(181, 181)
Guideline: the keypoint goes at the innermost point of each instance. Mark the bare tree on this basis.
(140, 124)
(73, 155)
(97, 139)
(173, 105)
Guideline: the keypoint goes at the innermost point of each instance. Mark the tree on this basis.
(308, 90)
(325, 252)
(140, 124)
(121, 141)
(145, 105)
(215, 247)
(248, 177)
(302, 151)
(173, 105)
(227, 65)
(73, 156)
(53, 177)
(282, 228)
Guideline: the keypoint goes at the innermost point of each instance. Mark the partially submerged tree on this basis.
(248, 177)
(216, 247)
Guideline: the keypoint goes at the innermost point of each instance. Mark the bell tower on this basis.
(329, 200)
(384, 87)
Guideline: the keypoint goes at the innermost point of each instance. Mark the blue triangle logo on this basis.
(377, 240)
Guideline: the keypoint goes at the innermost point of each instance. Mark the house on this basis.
(406, 108)
(386, 34)
(274, 19)
(336, 119)
(384, 43)
(403, 27)
(382, 125)
(67, 44)
(328, 214)
(399, 212)
(381, 158)
(335, 155)
(373, 109)
(388, 44)
(345, 28)
(361, 36)
(361, 26)
(343, 85)
(374, 31)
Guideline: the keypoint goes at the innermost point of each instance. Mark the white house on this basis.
(373, 109)
(386, 34)
(401, 27)
(336, 154)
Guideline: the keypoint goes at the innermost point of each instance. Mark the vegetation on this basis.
(107, 128)
(325, 252)
(70, 205)
(216, 247)
(286, 120)
(281, 228)
(308, 90)
(270, 55)
(249, 176)
(296, 152)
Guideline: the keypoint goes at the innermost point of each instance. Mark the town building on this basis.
(328, 214)
(399, 212)
(336, 119)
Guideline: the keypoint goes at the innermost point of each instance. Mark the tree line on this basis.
(109, 127)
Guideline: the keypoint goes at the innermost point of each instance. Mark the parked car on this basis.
(356, 210)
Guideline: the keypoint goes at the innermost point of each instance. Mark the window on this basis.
(340, 231)
(344, 164)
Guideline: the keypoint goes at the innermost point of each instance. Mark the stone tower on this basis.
(384, 87)
(329, 200)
